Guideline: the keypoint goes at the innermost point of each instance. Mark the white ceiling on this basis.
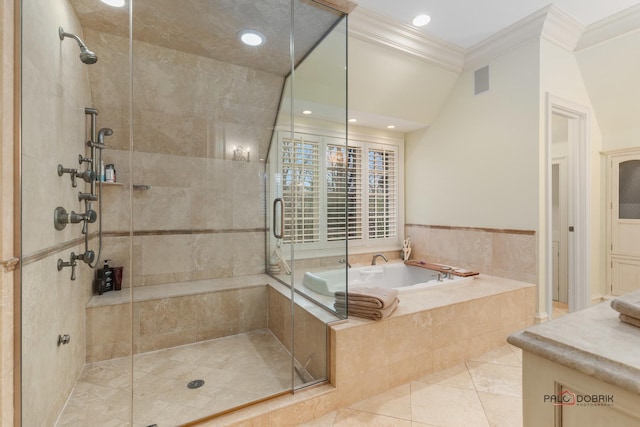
(467, 22)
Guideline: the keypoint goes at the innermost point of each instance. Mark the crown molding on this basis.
(562, 29)
(377, 29)
(616, 25)
(503, 41)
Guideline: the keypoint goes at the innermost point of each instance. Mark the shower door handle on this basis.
(275, 205)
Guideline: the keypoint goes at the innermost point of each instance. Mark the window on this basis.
(332, 192)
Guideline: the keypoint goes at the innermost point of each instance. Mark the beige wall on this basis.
(473, 167)
(55, 90)
(610, 71)
(385, 82)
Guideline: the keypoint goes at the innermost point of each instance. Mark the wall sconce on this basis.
(241, 154)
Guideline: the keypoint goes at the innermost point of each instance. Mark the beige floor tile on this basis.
(496, 379)
(353, 418)
(456, 376)
(500, 356)
(517, 351)
(446, 406)
(324, 421)
(502, 411)
(393, 403)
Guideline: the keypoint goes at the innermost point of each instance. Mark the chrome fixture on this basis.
(63, 339)
(447, 272)
(99, 144)
(344, 261)
(375, 258)
(144, 187)
(87, 196)
(86, 56)
(87, 176)
(88, 257)
(61, 218)
(71, 263)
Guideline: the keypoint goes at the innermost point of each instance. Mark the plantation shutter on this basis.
(382, 192)
(301, 190)
(344, 192)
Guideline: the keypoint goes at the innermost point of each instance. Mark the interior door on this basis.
(625, 223)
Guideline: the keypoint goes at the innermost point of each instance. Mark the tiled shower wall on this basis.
(503, 253)
(203, 215)
(55, 91)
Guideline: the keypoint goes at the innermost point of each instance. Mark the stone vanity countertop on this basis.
(591, 341)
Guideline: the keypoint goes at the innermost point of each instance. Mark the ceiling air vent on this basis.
(481, 80)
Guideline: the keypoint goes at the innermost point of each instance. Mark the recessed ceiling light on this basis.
(114, 3)
(391, 127)
(252, 37)
(307, 112)
(353, 120)
(421, 20)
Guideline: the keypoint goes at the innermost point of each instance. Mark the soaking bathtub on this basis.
(404, 278)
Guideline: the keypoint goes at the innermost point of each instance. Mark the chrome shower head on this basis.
(86, 56)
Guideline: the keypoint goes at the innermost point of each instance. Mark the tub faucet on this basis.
(375, 258)
(344, 261)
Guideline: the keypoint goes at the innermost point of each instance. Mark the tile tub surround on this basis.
(502, 253)
(434, 330)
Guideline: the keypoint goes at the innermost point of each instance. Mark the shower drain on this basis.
(195, 384)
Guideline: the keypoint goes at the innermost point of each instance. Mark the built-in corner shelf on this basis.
(111, 184)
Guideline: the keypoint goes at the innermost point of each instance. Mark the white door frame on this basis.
(579, 217)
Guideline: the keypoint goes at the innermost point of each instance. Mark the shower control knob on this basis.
(87, 257)
(63, 339)
(87, 176)
(82, 159)
(71, 263)
(73, 172)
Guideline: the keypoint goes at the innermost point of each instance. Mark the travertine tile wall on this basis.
(502, 253)
(170, 322)
(55, 91)
(204, 214)
(310, 333)
(413, 345)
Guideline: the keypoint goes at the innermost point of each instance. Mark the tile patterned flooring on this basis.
(486, 391)
(160, 394)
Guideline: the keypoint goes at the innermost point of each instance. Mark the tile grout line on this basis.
(475, 388)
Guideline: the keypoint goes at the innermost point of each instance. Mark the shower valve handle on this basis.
(88, 257)
(71, 263)
(82, 159)
(88, 175)
(61, 218)
(73, 172)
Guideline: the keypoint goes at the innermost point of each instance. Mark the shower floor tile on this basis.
(235, 370)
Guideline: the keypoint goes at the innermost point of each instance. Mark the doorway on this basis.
(560, 151)
(567, 225)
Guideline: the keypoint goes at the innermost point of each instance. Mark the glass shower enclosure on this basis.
(152, 153)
